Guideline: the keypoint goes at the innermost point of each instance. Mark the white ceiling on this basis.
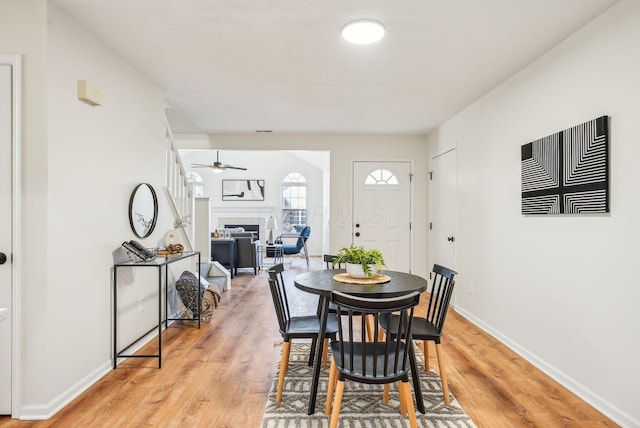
(246, 65)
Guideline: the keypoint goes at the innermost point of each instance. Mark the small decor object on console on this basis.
(139, 251)
(175, 248)
(360, 263)
(567, 172)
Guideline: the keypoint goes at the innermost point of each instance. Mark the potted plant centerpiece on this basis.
(360, 263)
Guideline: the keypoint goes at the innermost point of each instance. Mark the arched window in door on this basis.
(294, 201)
(198, 184)
(381, 177)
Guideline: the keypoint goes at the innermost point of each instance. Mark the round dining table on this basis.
(322, 283)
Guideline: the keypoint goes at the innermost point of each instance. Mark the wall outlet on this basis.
(471, 288)
(142, 305)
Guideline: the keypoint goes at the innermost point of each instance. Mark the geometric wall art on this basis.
(568, 172)
(243, 190)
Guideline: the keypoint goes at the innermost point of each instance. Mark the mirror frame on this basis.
(139, 188)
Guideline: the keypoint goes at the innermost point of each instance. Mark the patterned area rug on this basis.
(362, 405)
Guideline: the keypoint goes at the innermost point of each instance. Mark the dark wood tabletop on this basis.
(321, 282)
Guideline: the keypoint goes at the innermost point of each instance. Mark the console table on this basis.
(159, 263)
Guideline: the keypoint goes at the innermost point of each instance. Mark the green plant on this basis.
(360, 256)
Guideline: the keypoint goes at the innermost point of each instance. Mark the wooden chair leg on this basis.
(284, 366)
(333, 376)
(425, 347)
(335, 413)
(443, 376)
(385, 393)
(413, 422)
(403, 399)
(370, 327)
(325, 351)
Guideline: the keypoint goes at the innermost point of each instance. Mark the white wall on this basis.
(561, 290)
(79, 166)
(344, 149)
(270, 166)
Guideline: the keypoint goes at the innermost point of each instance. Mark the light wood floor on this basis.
(219, 376)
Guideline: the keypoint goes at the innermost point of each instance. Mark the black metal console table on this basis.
(158, 263)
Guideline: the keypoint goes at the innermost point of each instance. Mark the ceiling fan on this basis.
(217, 166)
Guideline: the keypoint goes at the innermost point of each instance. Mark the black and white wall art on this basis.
(243, 190)
(568, 172)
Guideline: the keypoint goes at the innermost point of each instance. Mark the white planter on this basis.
(356, 271)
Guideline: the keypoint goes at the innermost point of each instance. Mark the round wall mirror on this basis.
(143, 210)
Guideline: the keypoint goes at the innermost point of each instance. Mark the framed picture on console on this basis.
(243, 190)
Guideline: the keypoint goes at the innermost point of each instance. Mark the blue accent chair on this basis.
(300, 244)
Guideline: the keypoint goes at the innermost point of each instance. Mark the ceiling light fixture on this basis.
(363, 31)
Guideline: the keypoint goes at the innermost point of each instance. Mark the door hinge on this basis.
(430, 175)
(410, 178)
(409, 225)
(430, 226)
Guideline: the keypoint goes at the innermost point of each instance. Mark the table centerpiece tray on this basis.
(348, 279)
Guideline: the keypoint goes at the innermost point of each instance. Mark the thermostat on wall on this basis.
(89, 93)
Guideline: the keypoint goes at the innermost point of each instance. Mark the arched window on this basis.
(294, 201)
(196, 181)
(381, 177)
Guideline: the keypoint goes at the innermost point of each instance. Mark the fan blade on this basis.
(200, 165)
(234, 167)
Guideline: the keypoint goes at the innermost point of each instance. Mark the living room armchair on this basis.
(299, 246)
(246, 254)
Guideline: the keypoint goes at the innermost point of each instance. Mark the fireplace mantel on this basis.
(262, 210)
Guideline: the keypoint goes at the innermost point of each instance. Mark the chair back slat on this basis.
(279, 296)
(379, 360)
(328, 261)
(440, 296)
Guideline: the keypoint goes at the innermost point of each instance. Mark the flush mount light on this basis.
(363, 31)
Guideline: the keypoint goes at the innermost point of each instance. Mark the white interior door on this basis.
(5, 238)
(382, 210)
(443, 210)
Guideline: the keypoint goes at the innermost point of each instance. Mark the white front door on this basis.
(5, 237)
(382, 210)
(443, 210)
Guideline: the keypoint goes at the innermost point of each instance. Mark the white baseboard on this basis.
(45, 411)
(609, 409)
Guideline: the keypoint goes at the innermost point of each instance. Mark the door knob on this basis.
(451, 239)
(3, 258)
(357, 234)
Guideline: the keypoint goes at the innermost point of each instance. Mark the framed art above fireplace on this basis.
(243, 190)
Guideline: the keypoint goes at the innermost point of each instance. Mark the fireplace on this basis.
(247, 228)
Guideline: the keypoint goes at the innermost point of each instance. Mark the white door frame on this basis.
(15, 61)
(432, 244)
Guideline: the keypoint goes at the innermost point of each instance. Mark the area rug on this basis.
(362, 405)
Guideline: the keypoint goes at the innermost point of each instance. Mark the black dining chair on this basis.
(429, 328)
(329, 260)
(380, 361)
(295, 327)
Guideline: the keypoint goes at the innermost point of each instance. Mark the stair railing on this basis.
(179, 192)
